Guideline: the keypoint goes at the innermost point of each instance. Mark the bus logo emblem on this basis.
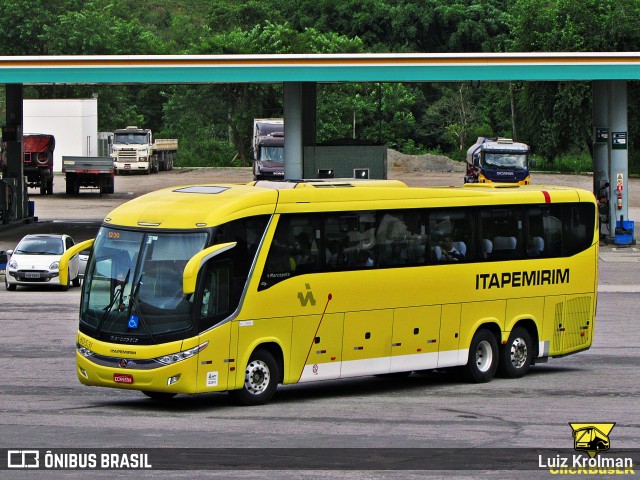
(591, 438)
(304, 299)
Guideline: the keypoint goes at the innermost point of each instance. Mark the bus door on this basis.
(316, 351)
(366, 347)
(215, 305)
(415, 340)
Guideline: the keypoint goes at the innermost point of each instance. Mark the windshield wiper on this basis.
(133, 300)
(117, 297)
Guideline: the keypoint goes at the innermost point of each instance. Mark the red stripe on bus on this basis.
(547, 197)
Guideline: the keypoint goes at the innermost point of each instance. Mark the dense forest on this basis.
(214, 122)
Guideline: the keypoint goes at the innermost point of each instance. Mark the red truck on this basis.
(38, 161)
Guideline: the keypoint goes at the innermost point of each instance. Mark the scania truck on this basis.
(499, 160)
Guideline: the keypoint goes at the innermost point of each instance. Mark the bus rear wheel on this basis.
(260, 380)
(483, 357)
(515, 356)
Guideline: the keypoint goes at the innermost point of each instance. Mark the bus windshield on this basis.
(133, 283)
(505, 161)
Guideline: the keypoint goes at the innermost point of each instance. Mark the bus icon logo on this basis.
(591, 438)
(23, 459)
(308, 298)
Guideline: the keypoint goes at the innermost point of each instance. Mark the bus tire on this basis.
(483, 357)
(159, 395)
(260, 380)
(515, 356)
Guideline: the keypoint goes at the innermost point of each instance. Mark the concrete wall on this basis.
(74, 123)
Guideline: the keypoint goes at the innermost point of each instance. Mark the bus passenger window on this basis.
(452, 235)
(544, 232)
(401, 238)
(294, 250)
(503, 227)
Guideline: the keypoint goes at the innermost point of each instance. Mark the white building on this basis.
(74, 123)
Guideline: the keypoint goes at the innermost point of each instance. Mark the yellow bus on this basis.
(241, 287)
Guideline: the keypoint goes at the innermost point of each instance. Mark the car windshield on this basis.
(40, 246)
(133, 282)
(505, 161)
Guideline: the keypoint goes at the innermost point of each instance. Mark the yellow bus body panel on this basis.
(318, 344)
(215, 361)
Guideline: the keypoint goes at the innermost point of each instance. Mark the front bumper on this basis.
(32, 277)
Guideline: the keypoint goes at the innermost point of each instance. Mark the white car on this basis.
(35, 262)
(84, 257)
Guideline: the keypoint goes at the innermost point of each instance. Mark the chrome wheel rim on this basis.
(518, 353)
(484, 356)
(257, 377)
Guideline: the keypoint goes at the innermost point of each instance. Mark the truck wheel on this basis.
(260, 380)
(50, 186)
(71, 180)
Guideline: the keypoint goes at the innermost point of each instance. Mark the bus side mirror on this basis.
(195, 263)
(63, 267)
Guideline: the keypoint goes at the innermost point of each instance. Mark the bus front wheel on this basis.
(260, 380)
(483, 357)
(515, 356)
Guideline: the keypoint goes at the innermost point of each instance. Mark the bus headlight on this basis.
(85, 352)
(179, 356)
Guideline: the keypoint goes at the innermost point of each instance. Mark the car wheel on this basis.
(9, 286)
(76, 281)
